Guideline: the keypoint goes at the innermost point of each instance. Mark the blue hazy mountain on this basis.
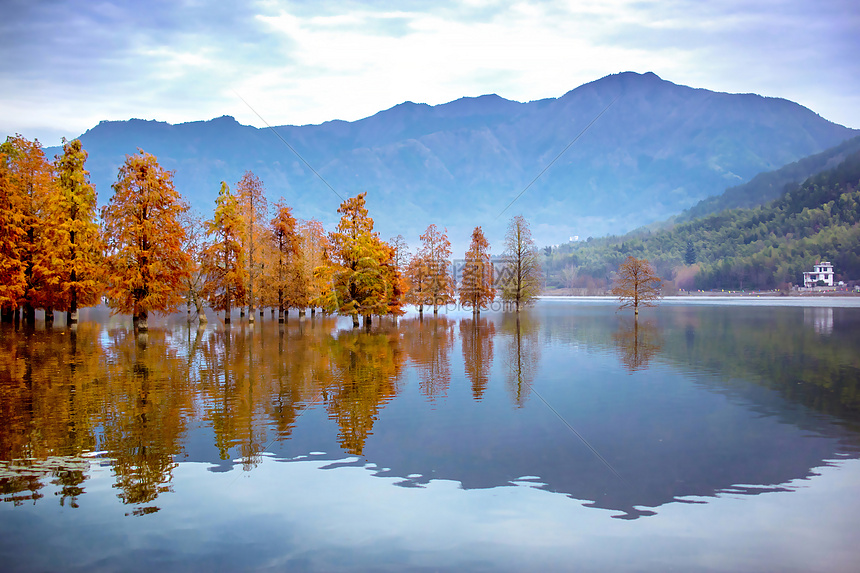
(658, 149)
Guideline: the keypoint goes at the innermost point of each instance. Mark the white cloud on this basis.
(307, 63)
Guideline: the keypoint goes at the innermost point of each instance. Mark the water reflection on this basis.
(522, 353)
(366, 370)
(428, 342)
(22, 480)
(477, 335)
(821, 319)
(720, 397)
(145, 409)
(638, 342)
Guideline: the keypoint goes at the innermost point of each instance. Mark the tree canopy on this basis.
(636, 284)
(146, 263)
(364, 277)
(224, 258)
(476, 287)
(74, 238)
(522, 272)
(435, 255)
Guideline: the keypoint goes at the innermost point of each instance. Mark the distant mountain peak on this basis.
(659, 151)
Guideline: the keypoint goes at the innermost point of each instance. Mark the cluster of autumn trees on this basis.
(145, 251)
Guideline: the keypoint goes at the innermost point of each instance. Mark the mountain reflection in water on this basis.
(684, 403)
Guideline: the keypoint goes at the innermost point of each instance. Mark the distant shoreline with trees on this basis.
(763, 248)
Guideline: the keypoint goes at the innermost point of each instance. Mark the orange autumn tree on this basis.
(13, 282)
(30, 178)
(74, 238)
(314, 264)
(146, 265)
(284, 271)
(416, 274)
(395, 284)
(253, 207)
(436, 253)
(364, 279)
(476, 287)
(223, 260)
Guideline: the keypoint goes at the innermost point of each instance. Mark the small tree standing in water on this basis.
(146, 265)
(364, 279)
(636, 284)
(476, 288)
(224, 258)
(436, 252)
(522, 265)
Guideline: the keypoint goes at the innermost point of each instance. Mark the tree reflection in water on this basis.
(232, 392)
(477, 334)
(637, 343)
(46, 421)
(523, 351)
(367, 367)
(146, 407)
(428, 342)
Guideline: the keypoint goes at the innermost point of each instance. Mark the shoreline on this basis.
(721, 294)
(725, 299)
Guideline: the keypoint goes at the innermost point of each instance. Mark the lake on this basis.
(708, 435)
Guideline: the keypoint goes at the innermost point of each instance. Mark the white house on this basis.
(823, 272)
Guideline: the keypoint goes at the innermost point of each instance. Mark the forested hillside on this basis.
(764, 247)
(770, 185)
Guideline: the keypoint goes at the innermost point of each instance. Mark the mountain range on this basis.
(653, 149)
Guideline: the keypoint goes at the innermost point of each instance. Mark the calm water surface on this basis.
(702, 437)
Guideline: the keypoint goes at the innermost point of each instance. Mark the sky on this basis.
(65, 66)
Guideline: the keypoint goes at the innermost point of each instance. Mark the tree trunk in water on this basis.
(280, 315)
(143, 321)
(29, 313)
(49, 316)
(72, 316)
(367, 321)
(355, 320)
(201, 314)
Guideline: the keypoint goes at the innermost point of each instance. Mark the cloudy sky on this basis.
(64, 66)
